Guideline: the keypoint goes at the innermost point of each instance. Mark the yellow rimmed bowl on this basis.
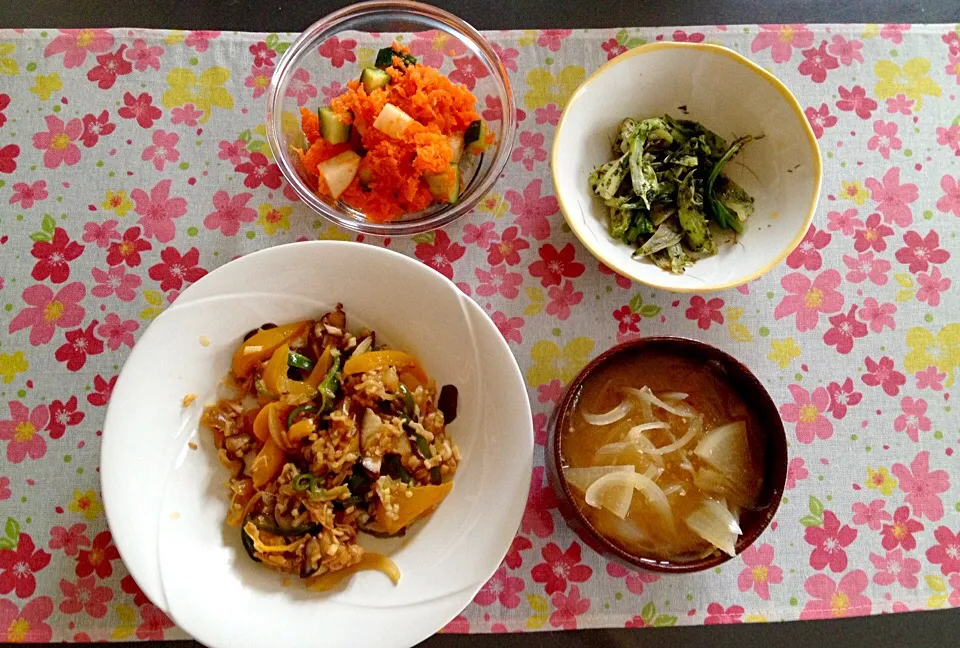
(728, 94)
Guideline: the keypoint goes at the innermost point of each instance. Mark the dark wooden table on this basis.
(914, 629)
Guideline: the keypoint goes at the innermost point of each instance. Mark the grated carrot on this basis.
(311, 124)
(394, 168)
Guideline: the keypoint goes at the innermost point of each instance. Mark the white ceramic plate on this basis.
(728, 94)
(166, 503)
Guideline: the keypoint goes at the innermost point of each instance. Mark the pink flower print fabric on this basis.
(134, 162)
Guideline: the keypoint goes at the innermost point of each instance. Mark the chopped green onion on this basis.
(328, 388)
(423, 446)
(304, 481)
(392, 467)
(292, 416)
(262, 389)
(408, 404)
(299, 361)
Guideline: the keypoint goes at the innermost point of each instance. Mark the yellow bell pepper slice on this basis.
(301, 430)
(321, 368)
(373, 360)
(369, 561)
(267, 464)
(275, 373)
(276, 428)
(260, 429)
(262, 345)
(275, 376)
(423, 501)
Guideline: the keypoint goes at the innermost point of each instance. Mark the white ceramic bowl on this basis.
(728, 94)
(166, 503)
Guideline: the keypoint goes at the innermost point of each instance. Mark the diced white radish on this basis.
(727, 449)
(392, 121)
(714, 522)
(338, 171)
(456, 145)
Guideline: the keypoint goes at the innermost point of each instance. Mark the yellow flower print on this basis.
(175, 37)
(86, 504)
(117, 202)
(755, 618)
(529, 38)
(273, 218)
(880, 480)
(46, 85)
(493, 203)
(333, 233)
(942, 351)
(550, 363)
(854, 191)
(783, 351)
(205, 92)
(128, 622)
(870, 31)
(546, 89)
(8, 65)
(12, 364)
(911, 80)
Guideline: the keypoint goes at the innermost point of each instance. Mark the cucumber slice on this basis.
(456, 145)
(372, 78)
(477, 137)
(338, 171)
(331, 128)
(385, 58)
(445, 186)
(392, 121)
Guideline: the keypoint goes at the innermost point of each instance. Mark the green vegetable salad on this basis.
(665, 191)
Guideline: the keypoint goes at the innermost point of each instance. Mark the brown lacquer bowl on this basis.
(772, 438)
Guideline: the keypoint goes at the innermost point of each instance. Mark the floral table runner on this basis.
(134, 162)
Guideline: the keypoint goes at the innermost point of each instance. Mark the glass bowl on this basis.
(319, 63)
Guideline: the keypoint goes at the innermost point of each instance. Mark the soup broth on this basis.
(685, 453)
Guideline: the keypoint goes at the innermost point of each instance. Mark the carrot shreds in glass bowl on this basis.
(397, 141)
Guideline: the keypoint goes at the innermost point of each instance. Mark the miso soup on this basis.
(662, 455)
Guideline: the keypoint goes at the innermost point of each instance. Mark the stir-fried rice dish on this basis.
(327, 434)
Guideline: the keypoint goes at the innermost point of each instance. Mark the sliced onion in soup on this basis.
(582, 478)
(613, 491)
(712, 481)
(612, 416)
(677, 396)
(646, 445)
(653, 473)
(676, 445)
(645, 395)
(638, 430)
(714, 522)
(607, 492)
(655, 497)
(628, 531)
